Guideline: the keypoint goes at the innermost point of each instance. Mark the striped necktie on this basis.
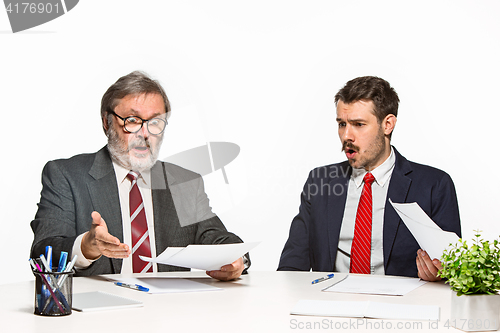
(361, 244)
(139, 226)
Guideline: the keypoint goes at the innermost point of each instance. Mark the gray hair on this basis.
(135, 83)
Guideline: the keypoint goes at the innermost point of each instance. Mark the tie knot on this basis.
(369, 179)
(133, 175)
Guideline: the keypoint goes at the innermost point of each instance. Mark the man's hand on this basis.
(427, 268)
(97, 241)
(228, 272)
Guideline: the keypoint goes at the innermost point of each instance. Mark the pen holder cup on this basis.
(53, 293)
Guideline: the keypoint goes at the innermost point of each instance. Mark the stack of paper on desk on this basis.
(428, 234)
(162, 285)
(366, 310)
(205, 257)
(98, 300)
(361, 284)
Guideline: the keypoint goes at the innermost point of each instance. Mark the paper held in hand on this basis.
(205, 257)
(428, 234)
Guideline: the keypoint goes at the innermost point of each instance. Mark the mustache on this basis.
(349, 145)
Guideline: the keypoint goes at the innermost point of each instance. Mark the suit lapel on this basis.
(104, 195)
(337, 197)
(398, 190)
(164, 211)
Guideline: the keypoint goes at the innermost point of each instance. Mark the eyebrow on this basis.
(359, 120)
(136, 114)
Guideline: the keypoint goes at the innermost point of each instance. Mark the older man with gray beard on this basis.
(112, 206)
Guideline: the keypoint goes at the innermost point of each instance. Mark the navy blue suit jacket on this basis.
(314, 233)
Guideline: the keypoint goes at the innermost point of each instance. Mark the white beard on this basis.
(129, 161)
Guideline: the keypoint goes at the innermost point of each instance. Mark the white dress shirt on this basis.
(124, 184)
(382, 175)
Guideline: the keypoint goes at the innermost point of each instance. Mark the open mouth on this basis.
(350, 153)
(140, 150)
(350, 150)
(140, 146)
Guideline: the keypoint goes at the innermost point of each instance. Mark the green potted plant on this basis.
(473, 273)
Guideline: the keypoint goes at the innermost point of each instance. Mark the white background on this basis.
(261, 74)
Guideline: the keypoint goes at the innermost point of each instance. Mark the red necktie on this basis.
(361, 244)
(139, 226)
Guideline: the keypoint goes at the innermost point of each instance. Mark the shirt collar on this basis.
(121, 174)
(382, 173)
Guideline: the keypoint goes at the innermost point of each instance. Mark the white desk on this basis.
(258, 302)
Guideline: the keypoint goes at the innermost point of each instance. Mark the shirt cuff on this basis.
(246, 262)
(81, 261)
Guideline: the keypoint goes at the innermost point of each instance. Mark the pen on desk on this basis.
(52, 282)
(32, 263)
(329, 276)
(45, 263)
(69, 267)
(37, 265)
(132, 286)
(62, 261)
(71, 264)
(48, 256)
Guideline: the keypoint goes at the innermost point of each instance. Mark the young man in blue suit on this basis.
(322, 234)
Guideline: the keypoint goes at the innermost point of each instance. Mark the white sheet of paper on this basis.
(402, 311)
(204, 257)
(428, 234)
(98, 300)
(366, 309)
(169, 251)
(359, 284)
(159, 285)
(330, 308)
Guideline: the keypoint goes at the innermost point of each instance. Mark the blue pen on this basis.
(62, 261)
(49, 304)
(132, 286)
(69, 267)
(329, 276)
(48, 256)
(45, 291)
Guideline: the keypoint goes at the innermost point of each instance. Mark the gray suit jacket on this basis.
(73, 188)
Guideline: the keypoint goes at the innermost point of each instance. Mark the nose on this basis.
(347, 134)
(144, 131)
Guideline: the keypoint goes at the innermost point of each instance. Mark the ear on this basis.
(105, 125)
(389, 123)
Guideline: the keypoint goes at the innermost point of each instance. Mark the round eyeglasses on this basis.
(133, 124)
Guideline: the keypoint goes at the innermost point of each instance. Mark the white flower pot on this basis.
(475, 312)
